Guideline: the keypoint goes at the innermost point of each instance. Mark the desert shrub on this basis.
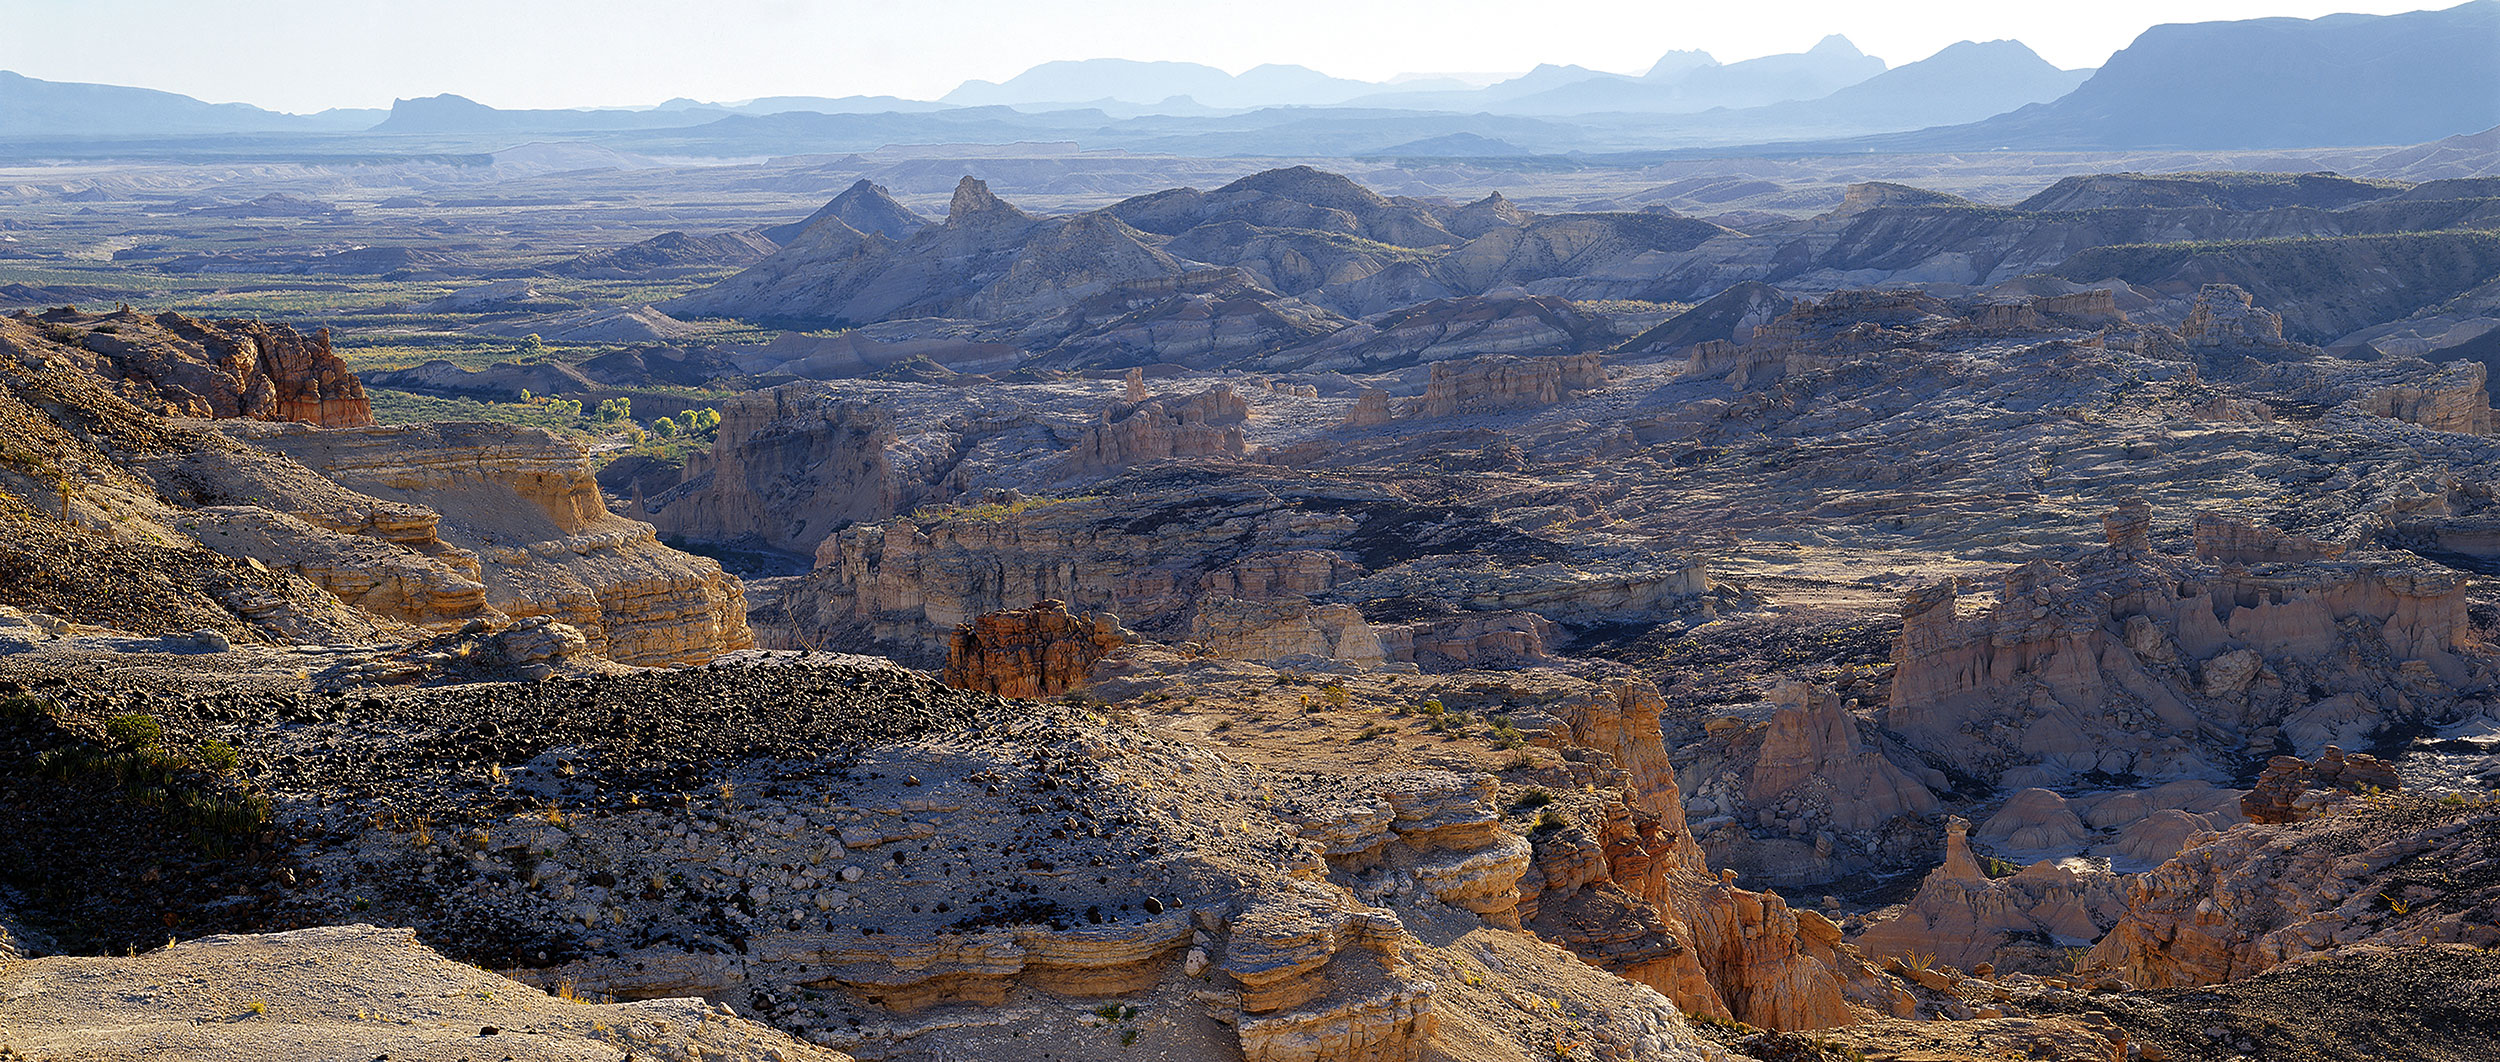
(135, 732)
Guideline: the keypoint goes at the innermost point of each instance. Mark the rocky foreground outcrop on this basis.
(2388, 871)
(887, 866)
(345, 991)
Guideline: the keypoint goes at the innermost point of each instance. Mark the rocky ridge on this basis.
(349, 533)
(182, 367)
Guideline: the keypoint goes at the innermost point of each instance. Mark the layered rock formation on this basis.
(2457, 399)
(1795, 792)
(986, 259)
(2227, 316)
(2292, 789)
(518, 511)
(1161, 549)
(1314, 249)
(1486, 384)
(765, 833)
(1963, 917)
(1630, 891)
(787, 470)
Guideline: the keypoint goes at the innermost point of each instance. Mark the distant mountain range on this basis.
(2339, 80)
(29, 107)
(2273, 82)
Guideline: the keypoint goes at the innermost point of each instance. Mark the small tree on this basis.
(664, 428)
(532, 346)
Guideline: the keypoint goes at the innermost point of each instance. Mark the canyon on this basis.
(1038, 602)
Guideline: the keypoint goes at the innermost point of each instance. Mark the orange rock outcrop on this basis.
(1042, 651)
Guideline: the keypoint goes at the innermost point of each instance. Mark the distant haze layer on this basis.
(575, 53)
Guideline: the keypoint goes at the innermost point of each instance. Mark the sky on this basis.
(306, 55)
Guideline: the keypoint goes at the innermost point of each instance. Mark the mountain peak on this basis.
(1834, 45)
(1678, 63)
(973, 199)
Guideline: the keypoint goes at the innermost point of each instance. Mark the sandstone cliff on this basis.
(1759, 961)
(1487, 384)
(1042, 651)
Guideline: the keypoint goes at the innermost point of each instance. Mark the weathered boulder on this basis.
(2227, 316)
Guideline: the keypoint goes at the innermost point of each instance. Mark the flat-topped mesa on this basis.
(2293, 789)
(226, 369)
(2081, 309)
(1206, 424)
(1501, 382)
(1042, 651)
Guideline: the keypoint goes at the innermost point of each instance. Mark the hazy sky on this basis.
(301, 55)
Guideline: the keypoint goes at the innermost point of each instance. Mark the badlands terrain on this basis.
(1050, 601)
